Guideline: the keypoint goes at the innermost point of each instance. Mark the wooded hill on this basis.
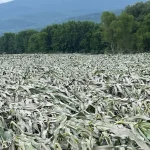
(19, 15)
(128, 32)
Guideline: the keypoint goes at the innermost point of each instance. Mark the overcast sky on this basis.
(5, 1)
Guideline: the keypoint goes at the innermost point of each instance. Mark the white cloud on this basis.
(5, 1)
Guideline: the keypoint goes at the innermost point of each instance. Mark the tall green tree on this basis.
(143, 34)
(139, 10)
(107, 19)
(126, 24)
(48, 30)
(96, 43)
(22, 39)
(7, 43)
(38, 43)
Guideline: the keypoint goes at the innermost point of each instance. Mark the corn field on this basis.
(75, 102)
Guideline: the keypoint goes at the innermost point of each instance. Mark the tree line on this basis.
(128, 32)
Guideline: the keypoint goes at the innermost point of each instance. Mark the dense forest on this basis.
(128, 32)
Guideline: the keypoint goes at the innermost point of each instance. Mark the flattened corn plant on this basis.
(75, 102)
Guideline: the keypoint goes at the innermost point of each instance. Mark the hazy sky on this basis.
(5, 1)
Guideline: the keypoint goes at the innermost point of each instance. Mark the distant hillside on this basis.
(24, 14)
(95, 17)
